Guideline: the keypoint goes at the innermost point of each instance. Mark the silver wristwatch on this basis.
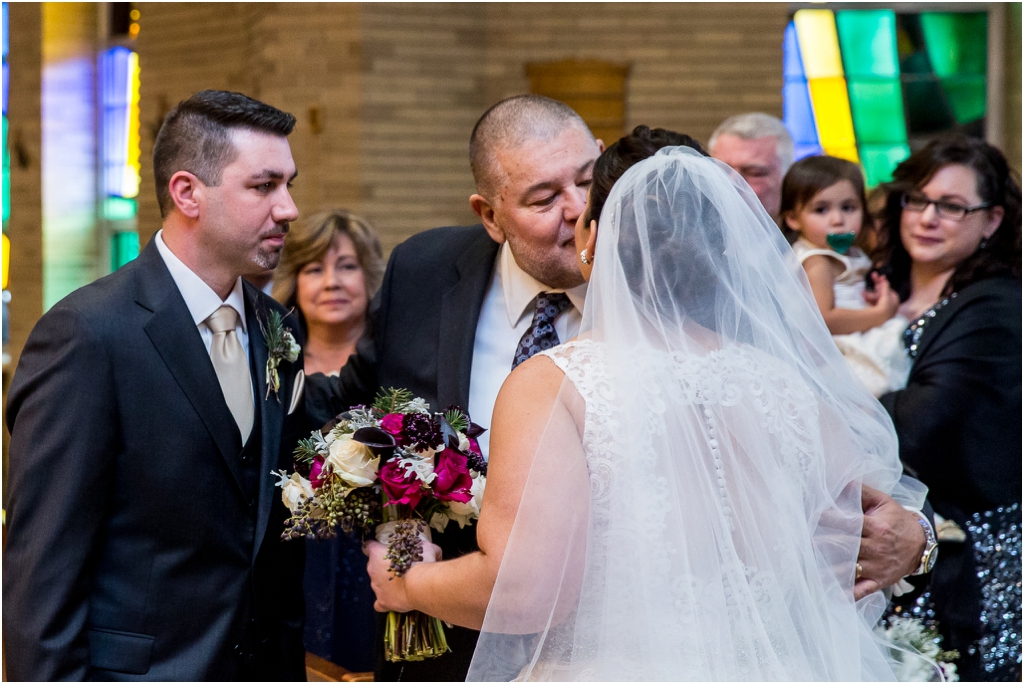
(931, 546)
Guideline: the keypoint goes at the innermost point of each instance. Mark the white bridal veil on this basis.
(693, 511)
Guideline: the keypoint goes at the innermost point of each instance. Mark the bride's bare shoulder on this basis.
(535, 381)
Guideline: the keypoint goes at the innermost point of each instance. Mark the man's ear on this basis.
(186, 193)
(482, 208)
(600, 144)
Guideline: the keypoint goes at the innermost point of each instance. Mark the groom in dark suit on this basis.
(144, 525)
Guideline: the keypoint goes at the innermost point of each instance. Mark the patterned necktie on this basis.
(232, 367)
(541, 334)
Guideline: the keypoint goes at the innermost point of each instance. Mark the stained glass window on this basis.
(866, 84)
(119, 92)
(6, 185)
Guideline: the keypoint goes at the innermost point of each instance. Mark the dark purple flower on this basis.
(421, 432)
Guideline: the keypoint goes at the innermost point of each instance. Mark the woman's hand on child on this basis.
(883, 297)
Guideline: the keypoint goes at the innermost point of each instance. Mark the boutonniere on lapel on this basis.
(281, 346)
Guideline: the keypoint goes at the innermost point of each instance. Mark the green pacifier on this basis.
(841, 242)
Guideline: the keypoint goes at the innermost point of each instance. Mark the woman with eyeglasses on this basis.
(951, 232)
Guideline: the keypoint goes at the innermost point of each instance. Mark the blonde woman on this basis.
(330, 268)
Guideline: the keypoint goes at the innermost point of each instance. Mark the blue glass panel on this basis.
(114, 96)
(797, 113)
(792, 64)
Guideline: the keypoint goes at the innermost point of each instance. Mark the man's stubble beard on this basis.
(266, 259)
(559, 274)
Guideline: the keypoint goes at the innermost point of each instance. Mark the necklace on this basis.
(912, 335)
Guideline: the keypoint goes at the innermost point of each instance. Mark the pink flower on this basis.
(315, 472)
(453, 481)
(474, 447)
(392, 423)
(400, 488)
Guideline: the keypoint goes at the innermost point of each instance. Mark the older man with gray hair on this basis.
(760, 148)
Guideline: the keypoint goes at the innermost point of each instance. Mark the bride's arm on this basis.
(458, 590)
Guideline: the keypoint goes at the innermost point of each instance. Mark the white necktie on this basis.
(232, 367)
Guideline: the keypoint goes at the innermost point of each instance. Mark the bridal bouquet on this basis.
(909, 639)
(396, 468)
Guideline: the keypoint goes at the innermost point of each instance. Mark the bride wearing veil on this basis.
(676, 494)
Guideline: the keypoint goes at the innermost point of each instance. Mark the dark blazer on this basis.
(143, 540)
(959, 426)
(958, 420)
(423, 324)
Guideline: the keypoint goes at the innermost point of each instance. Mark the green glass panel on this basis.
(877, 111)
(123, 248)
(867, 39)
(956, 42)
(879, 161)
(966, 95)
(119, 208)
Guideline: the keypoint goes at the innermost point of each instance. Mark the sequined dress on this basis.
(975, 590)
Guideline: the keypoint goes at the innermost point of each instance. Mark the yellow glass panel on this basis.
(832, 116)
(848, 153)
(819, 43)
(133, 166)
(6, 259)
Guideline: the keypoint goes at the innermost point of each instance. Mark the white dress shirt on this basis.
(201, 300)
(505, 316)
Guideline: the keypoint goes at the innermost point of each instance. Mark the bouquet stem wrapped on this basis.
(414, 635)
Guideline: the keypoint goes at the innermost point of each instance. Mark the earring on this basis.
(983, 244)
(583, 257)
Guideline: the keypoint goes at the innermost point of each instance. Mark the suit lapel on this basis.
(271, 409)
(460, 311)
(178, 341)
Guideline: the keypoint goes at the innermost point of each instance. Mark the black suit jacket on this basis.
(959, 429)
(423, 325)
(134, 550)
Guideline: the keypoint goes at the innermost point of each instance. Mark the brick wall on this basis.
(301, 57)
(398, 86)
(1012, 81)
(693, 64)
(423, 76)
(25, 226)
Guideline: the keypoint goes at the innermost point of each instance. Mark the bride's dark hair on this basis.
(642, 143)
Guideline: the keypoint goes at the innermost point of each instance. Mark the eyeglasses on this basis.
(948, 210)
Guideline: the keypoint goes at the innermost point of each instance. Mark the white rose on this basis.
(295, 491)
(292, 347)
(353, 461)
(465, 513)
(439, 521)
(463, 443)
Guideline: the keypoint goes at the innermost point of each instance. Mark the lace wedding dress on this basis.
(693, 508)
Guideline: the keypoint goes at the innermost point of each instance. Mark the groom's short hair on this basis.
(196, 136)
(509, 124)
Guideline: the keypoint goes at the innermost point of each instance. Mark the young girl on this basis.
(823, 201)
